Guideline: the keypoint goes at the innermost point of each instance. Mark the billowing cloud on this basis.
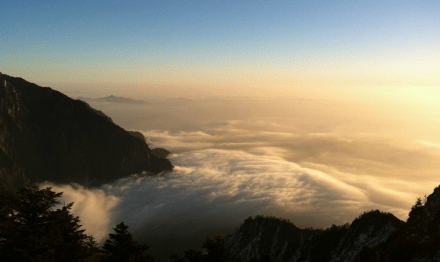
(386, 172)
(311, 169)
(93, 206)
(212, 191)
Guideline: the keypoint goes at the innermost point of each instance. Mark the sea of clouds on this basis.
(212, 191)
(228, 170)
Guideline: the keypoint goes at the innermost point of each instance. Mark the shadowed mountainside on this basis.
(373, 236)
(45, 135)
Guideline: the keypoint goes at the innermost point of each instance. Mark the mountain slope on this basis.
(45, 135)
(367, 236)
(371, 231)
(420, 238)
(259, 236)
(373, 236)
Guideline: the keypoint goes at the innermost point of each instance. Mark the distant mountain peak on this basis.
(113, 99)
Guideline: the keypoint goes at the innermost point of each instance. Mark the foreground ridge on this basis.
(373, 236)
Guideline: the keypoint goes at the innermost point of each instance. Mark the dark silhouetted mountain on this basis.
(99, 112)
(160, 152)
(259, 236)
(114, 99)
(370, 231)
(47, 136)
(373, 236)
(420, 238)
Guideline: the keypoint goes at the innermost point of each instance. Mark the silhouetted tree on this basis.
(191, 255)
(31, 230)
(425, 199)
(216, 250)
(121, 247)
(326, 242)
(416, 209)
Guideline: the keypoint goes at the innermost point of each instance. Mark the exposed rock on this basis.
(420, 238)
(160, 152)
(259, 236)
(369, 232)
(137, 134)
(45, 135)
(373, 236)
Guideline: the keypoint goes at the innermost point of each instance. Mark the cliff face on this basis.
(370, 232)
(420, 238)
(45, 135)
(373, 236)
(261, 236)
(285, 242)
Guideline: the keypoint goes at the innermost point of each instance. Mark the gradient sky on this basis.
(345, 49)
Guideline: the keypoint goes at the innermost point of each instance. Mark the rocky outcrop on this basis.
(262, 236)
(45, 135)
(368, 235)
(373, 236)
(160, 152)
(419, 240)
(371, 231)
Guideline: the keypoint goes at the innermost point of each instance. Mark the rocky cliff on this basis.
(419, 240)
(45, 135)
(373, 236)
(260, 236)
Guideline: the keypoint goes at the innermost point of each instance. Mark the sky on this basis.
(309, 110)
(338, 49)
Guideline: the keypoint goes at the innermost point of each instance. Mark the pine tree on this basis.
(122, 248)
(193, 255)
(31, 230)
(217, 250)
(73, 244)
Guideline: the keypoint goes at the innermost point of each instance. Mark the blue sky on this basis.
(209, 43)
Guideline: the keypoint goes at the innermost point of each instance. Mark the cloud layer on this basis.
(233, 162)
(211, 192)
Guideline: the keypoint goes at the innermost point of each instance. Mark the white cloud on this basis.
(93, 206)
(246, 162)
(217, 189)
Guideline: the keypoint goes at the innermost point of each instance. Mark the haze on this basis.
(310, 110)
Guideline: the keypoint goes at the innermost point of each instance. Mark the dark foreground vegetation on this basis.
(36, 226)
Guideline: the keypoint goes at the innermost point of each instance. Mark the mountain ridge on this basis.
(373, 236)
(47, 136)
